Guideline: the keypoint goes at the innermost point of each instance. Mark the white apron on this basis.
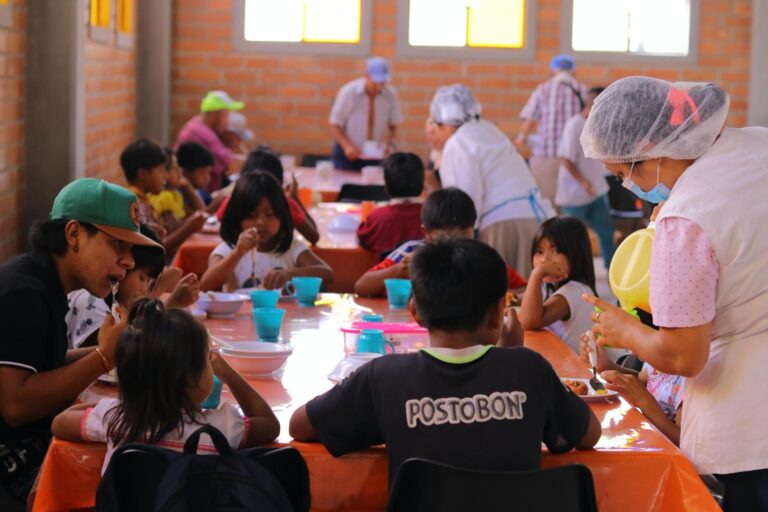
(725, 414)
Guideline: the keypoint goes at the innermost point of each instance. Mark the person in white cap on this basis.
(237, 136)
(708, 285)
(364, 118)
(550, 106)
(480, 160)
(207, 129)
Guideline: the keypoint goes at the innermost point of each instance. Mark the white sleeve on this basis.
(93, 426)
(569, 142)
(229, 421)
(223, 250)
(461, 169)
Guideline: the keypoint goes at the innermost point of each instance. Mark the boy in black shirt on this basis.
(461, 401)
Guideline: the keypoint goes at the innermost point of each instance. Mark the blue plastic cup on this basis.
(265, 298)
(398, 292)
(268, 322)
(214, 398)
(373, 341)
(372, 318)
(305, 289)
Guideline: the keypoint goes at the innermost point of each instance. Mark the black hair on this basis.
(263, 160)
(148, 258)
(448, 208)
(631, 105)
(403, 175)
(249, 190)
(570, 238)
(596, 91)
(159, 357)
(191, 156)
(456, 282)
(50, 236)
(169, 154)
(142, 153)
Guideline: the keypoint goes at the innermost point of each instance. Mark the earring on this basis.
(77, 248)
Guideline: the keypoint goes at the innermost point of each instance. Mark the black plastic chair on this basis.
(351, 193)
(425, 485)
(309, 160)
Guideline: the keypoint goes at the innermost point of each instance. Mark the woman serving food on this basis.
(708, 287)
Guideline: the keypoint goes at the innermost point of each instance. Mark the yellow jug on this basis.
(630, 271)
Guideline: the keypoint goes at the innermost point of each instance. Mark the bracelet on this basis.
(103, 360)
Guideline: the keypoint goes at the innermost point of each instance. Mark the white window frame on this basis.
(526, 53)
(361, 48)
(6, 15)
(629, 58)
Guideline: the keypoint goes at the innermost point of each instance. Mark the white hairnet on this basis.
(639, 118)
(454, 105)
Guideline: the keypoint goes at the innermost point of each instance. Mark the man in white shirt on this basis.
(582, 189)
(364, 118)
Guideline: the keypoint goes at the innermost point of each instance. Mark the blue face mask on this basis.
(658, 194)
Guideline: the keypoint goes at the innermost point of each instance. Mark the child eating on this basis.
(447, 213)
(165, 371)
(462, 401)
(562, 272)
(400, 220)
(259, 249)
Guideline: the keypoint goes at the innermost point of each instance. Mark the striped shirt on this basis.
(551, 104)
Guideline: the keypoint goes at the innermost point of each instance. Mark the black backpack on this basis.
(145, 477)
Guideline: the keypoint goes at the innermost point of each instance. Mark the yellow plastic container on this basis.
(630, 272)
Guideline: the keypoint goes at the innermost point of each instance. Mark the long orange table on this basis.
(635, 468)
(329, 188)
(339, 249)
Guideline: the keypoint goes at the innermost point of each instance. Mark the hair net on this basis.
(639, 118)
(454, 105)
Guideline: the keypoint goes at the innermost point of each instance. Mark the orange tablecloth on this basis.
(340, 250)
(635, 468)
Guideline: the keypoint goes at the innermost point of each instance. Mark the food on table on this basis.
(577, 386)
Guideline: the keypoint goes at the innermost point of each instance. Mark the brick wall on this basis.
(289, 98)
(11, 128)
(110, 108)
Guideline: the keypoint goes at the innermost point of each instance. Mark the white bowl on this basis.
(220, 304)
(256, 358)
(344, 222)
(349, 364)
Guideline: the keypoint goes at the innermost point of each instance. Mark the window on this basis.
(100, 21)
(466, 28)
(303, 26)
(631, 29)
(125, 23)
(6, 18)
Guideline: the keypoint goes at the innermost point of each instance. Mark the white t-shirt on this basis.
(85, 316)
(578, 323)
(226, 418)
(569, 191)
(258, 264)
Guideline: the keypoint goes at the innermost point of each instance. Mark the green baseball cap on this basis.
(219, 100)
(111, 208)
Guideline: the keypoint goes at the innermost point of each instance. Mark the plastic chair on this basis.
(351, 193)
(425, 485)
(309, 160)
